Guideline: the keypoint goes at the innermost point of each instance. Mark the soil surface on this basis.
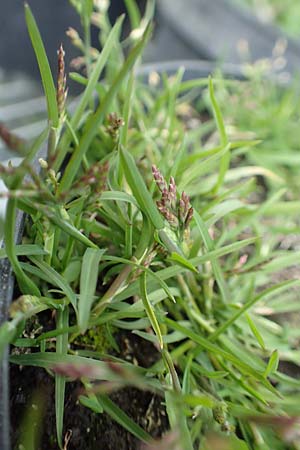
(87, 430)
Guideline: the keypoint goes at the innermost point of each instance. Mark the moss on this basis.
(99, 338)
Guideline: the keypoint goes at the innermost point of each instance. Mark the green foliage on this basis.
(168, 220)
(88, 285)
(45, 71)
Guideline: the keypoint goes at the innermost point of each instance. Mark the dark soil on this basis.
(89, 431)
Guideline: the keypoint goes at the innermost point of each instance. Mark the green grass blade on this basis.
(71, 230)
(62, 345)
(127, 111)
(181, 261)
(91, 402)
(133, 13)
(272, 364)
(57, 280)
(225, 160)
(118, 196)
(255, 332)
(149, 12)
(254, 215)
(173, 271)
(194, 171)
(149, 310)
(89, 89)
(139, 189)
(25, 250)
(88, 283)
(212, 348)
(186, 379)
(218, 115)
(26, 285)
(92, 126)
(272, 290)
(209, 245)
(282, 261)
(123, 419)
(64, 225)
(129, 233)
(33, 270)
(44, 67)
(152, 274)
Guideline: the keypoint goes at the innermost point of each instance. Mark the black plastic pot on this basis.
(7, 284)
(194, 69)
(53, 18)
(6, 296)
(212, 29)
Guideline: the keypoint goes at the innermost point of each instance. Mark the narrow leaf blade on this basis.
(88, 283)
(122, 418)
(272, 364)
(149, 310)
(44, 66)
(139, 189)
(255, 332)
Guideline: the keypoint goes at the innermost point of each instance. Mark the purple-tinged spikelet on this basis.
(159, 179)
(172, 192)
(61, 92)
(115, 123)
(178, 212)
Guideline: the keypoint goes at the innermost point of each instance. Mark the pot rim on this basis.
(227, 23)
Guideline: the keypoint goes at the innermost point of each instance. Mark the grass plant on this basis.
(149, 215)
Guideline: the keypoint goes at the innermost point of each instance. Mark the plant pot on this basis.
(6, 295)
(212, 29)
(194, 69)
(7, 284)
(54, 17)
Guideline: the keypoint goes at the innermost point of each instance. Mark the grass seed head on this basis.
(61, 93)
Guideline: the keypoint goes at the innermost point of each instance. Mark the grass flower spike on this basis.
(61, 93)
(177, 211)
